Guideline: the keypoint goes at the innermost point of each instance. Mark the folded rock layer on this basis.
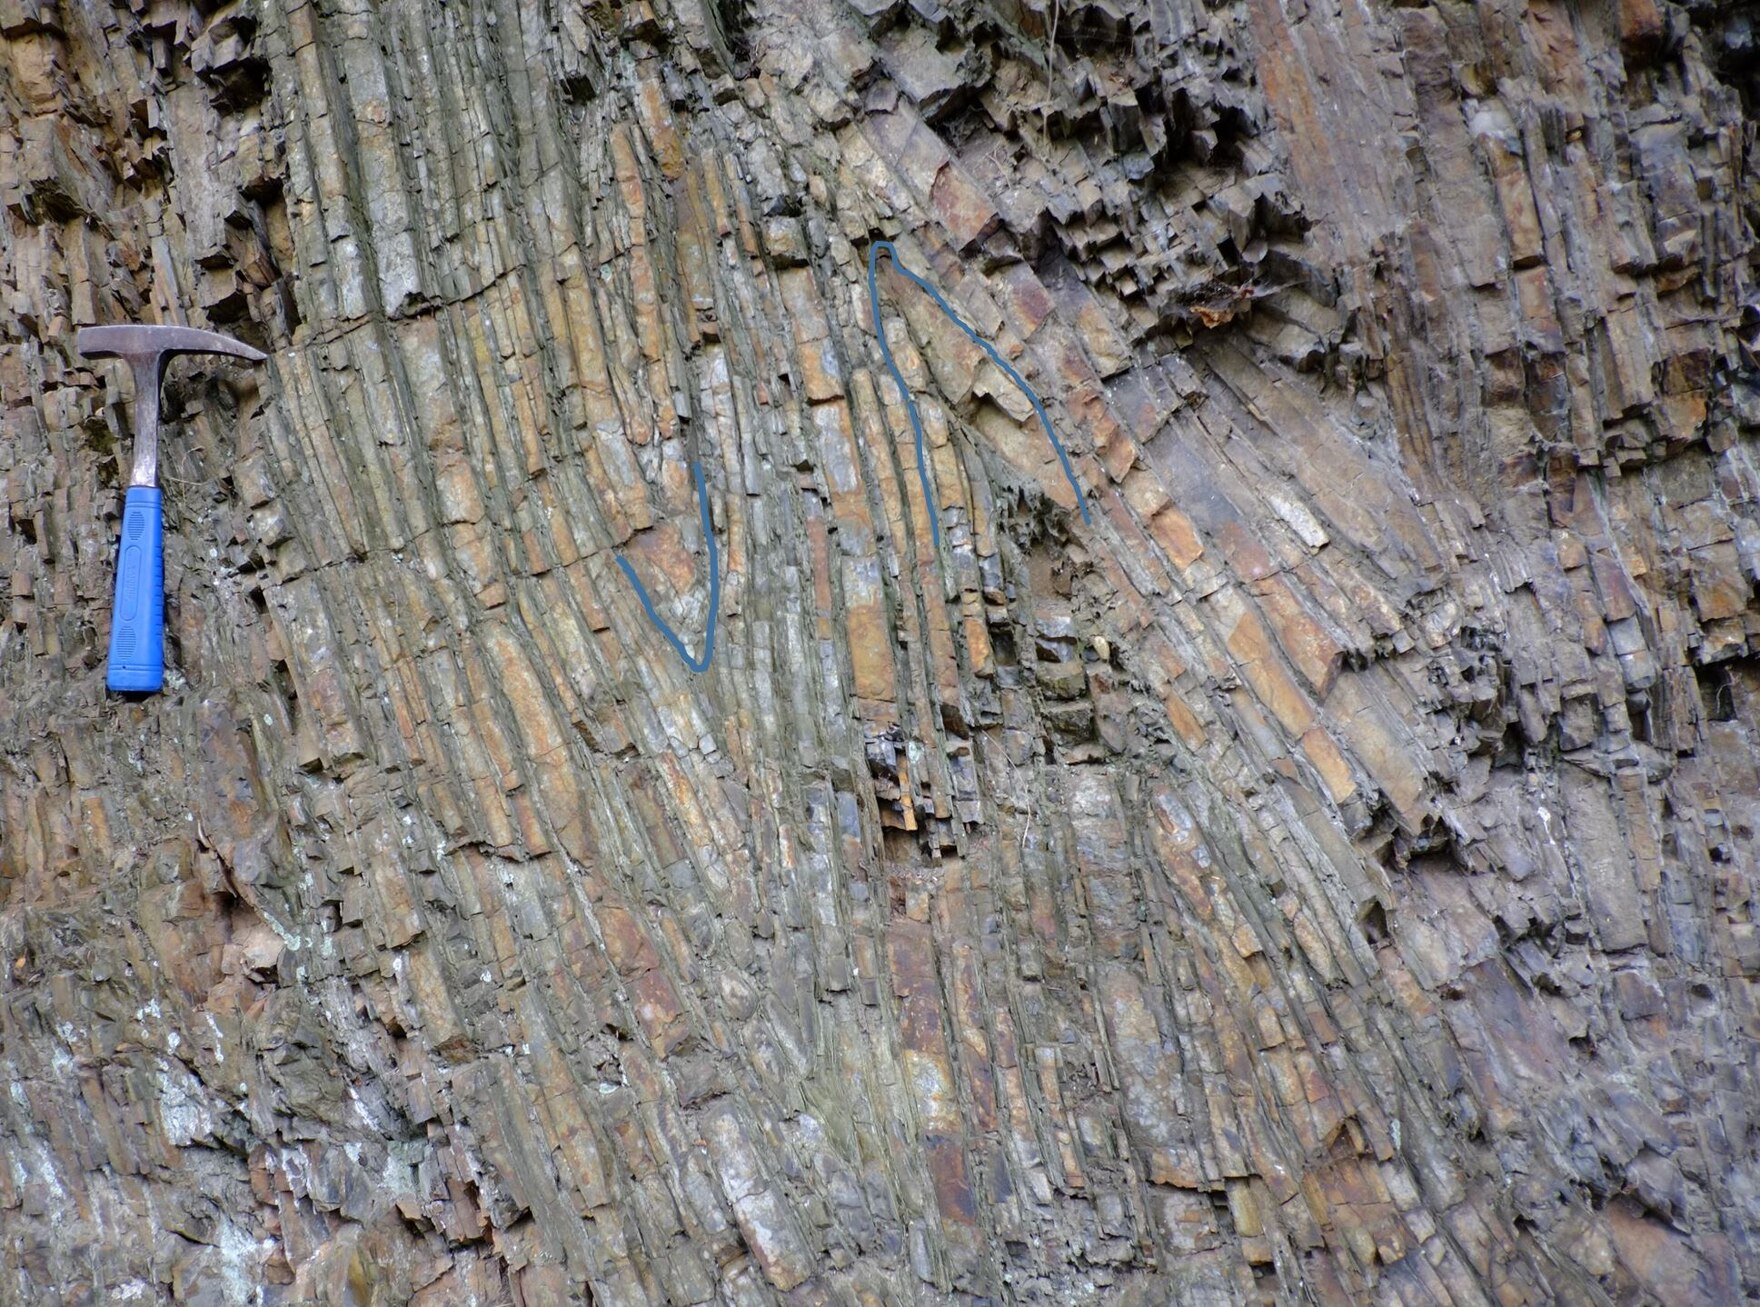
(1327, 876)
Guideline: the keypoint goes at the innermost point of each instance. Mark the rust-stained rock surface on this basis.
(1329, 877)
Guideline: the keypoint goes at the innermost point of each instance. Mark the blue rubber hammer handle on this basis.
(137, 618)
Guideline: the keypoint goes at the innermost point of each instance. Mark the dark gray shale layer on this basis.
(1328, 878)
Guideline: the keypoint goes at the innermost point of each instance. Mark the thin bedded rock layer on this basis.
(1329, 876)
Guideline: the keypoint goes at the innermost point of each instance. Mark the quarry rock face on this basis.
(1327, 875)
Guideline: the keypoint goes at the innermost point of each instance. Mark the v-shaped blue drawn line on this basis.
(874, 252)
(694, 664)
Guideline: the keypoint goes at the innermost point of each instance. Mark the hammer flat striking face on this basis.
(137, 618)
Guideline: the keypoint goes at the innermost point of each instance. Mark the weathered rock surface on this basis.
(1329, 877)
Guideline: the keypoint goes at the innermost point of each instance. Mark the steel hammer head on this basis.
(151, 340)
(146, 346)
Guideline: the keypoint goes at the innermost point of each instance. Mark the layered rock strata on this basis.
(1330, 876)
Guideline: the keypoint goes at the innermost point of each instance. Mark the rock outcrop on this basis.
(1329, 876)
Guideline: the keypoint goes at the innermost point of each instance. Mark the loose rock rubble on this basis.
(1329, 877)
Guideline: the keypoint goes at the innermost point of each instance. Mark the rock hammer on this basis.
(137, 617)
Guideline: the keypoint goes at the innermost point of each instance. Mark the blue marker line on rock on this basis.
(874, 251)
(891, 251)
(714, 587)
